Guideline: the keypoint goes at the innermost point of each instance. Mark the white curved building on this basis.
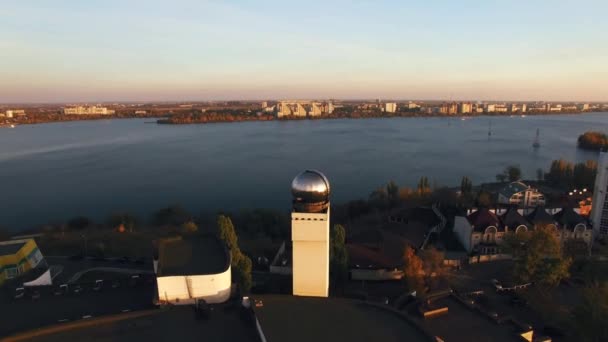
(194, 268)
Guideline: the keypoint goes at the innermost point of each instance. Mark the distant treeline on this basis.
(596, 141)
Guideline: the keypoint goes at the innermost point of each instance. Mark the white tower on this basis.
(599, 211)
(310, 234)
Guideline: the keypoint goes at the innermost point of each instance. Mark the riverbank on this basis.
(203, 118)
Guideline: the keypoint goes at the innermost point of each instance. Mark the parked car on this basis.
(62, 290)
(98, 285)
(19, 293)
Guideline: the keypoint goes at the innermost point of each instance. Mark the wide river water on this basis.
(52, 172)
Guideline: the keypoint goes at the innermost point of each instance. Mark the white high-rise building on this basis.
(310, 234)
(599, 210)
(390, 107)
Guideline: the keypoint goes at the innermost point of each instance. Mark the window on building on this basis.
(11, 272)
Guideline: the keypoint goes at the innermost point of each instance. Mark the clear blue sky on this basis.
(120, 50)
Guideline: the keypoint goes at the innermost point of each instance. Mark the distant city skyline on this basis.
(74, 51)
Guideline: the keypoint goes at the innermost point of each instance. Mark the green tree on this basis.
(413, 272)
(241, 264)
(590, 315)
(338, 254)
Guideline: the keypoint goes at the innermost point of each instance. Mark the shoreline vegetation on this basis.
(593, 140)
(173, 115)
(233, 116)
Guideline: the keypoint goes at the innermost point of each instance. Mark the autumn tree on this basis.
(241, 264)
(413, 272)
(432, 260)
(538, 256)
(424, 186)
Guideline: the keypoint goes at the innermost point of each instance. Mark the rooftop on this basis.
(11, 247)
(513, 188)
(290, 318)
(201, 254)
(462, 323)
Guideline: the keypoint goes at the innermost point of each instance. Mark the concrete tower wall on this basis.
(310, 237)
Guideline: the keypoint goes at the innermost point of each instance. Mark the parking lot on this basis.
(100, 287)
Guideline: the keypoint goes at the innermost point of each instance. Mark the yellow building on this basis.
(17, 257)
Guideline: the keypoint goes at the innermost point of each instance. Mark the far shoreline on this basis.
(205, 118)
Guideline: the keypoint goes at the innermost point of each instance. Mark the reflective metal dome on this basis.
(310, 187)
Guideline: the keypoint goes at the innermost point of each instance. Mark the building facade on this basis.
(303, 108)
(390, 107)
(87, 110)
(599, 211)
(191, 269)
(17, 257)
(520, 194)
(483, 231)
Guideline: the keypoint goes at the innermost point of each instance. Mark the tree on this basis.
(513, 173)
(227, 233)
(590, 315)
(424, 187)
(413, 272)
(432, 260)
(189, 227)
(484, 199)
(466, 186)
(538, 256)
(593, 141)
(338, 255)
(241, 264)
(583, 174)
(171, 215)
(127, 221)
(392, 190)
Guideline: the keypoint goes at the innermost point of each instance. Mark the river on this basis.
(52, 172)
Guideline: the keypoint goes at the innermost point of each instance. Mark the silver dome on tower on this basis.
(310, 190)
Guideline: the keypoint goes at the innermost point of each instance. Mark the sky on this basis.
(132, 50)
